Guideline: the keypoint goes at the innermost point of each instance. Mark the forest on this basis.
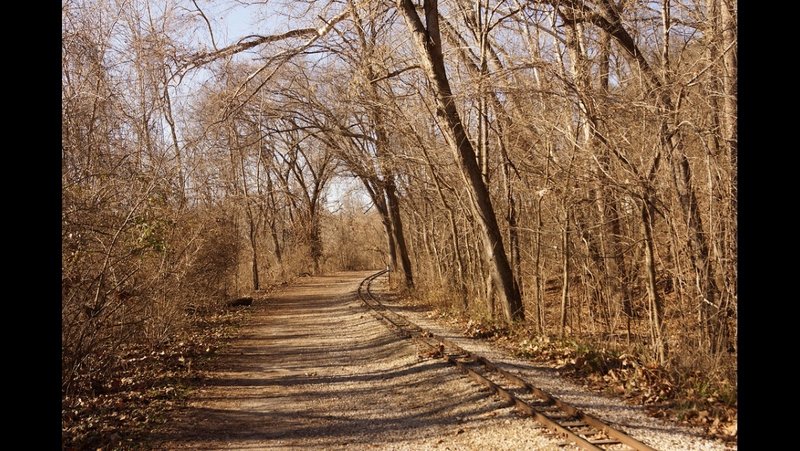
(555, 169)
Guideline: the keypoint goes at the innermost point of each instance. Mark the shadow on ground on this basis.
(313, 368)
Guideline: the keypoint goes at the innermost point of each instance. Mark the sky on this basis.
(231, 21)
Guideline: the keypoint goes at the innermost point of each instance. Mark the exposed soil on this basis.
(313, 369)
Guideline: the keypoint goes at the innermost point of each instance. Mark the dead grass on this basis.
(693, 389)
(147, 384)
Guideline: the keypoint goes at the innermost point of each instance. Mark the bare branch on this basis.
(210, 31)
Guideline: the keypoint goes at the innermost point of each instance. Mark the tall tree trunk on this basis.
(252, 221)
(461, 285)
(608, 205)
(537, 267)
(656, 308)
(382, 151)
(729, 117)
(470, 261)
(254, 247)
(428, 44)
(511, 219)
(564, 271)
(315, 238)
(393, 205)
(378, 196)
(276, 244)
(174, 135)
(391, 246)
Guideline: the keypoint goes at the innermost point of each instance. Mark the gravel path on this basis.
(314, 370)
(633, 420)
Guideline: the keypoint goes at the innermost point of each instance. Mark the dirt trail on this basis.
(314, 369)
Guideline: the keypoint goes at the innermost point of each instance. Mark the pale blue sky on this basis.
(231, 21)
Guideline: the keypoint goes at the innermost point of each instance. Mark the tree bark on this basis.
(729, 127)
(656, 307)
(254, 247)
(564, 271)
(537, 267)
(393, 206)
(382, 151)
(428, 44)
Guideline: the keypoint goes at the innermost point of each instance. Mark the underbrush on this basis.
(693, 389)
(148, 383)
(699, 398)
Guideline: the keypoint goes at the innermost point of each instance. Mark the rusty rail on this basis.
(566, 421)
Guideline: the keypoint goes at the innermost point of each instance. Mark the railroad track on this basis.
(566, 421)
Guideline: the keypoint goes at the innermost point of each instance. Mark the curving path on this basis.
(313, 369)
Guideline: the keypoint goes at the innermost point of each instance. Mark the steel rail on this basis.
(561, 417)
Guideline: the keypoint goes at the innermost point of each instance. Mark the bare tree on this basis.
(427, 40)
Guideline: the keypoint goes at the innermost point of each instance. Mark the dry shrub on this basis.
(138, 288)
